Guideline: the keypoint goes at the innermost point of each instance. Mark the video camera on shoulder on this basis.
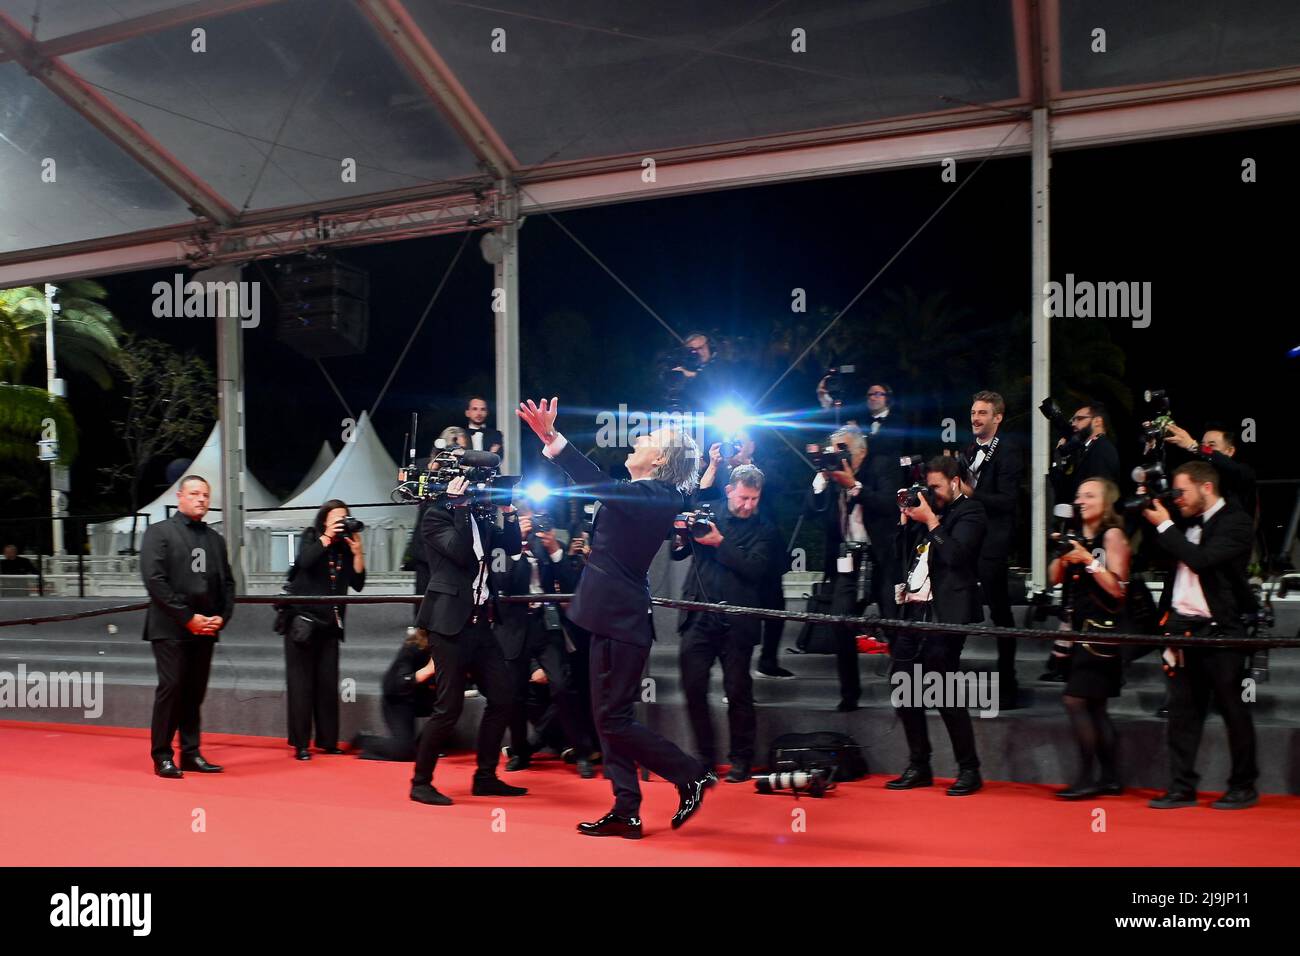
(487, 489)
(698, 521)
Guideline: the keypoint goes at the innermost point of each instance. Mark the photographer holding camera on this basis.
(531, 634)
(699, 379)
(1088, 453)
(733, 555)
(884, 433)
(855, 496)
(945, 530)
(996, 469)
(455, 619)
(1218, 448)
(1093, 564)
(612, 601)
(1208, 595)
(331, 559)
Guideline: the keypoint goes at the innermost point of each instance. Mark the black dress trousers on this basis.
(183, 667)
(312, 678)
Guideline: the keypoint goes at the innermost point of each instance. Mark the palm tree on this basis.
(86, 332)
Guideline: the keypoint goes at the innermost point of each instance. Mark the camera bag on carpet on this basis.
(820, 750)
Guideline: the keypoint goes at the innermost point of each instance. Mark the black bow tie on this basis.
(877, 418)
(983, 448)
(1196, 522)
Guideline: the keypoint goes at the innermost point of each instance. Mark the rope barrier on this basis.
(868, 623)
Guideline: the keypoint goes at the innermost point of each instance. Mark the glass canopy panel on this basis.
(1161, 41)
(585, 78)
(61, 17)
(281, 97)
(98, 190)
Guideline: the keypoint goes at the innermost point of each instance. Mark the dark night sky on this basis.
(1220, 254)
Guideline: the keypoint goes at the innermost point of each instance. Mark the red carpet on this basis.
(78, 796)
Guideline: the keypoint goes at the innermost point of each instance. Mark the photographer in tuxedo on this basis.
(733, 556)
(1208, 594)
(612, 601)
(946, 530)
(1094, 454)
(530, 635)
(996, 472)
(455, 619)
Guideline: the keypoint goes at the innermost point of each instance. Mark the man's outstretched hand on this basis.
(540, 418)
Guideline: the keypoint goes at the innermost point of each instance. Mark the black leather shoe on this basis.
(1079, 791)
(1109, 790)
(611, 824)
(911, 777)
(518, 762)
(739, 773)
(691, 797)
(302, 753)
(166, 768)
(333, 751)
(199, 765)
(846, 706)
(1238, 798)
(426, 793)
(1172, 801)
(495, 787)
(585, 770)
(967, 782)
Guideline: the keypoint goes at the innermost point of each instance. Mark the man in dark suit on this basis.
(191, 598)
(1218, 449)
(996, 467)
(456, 619)
(481, 437)
(1088, 454)
(947, 530)
(612, 601)
(533, 643)
(1207, 596)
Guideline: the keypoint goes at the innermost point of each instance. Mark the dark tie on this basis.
(1196, 522)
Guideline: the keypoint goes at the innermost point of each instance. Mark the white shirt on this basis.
(978, 463)
(1189, 597)
(918, 581)
(856, 530)
(481, 590)
(476, 438)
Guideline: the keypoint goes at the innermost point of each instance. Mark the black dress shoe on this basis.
(739, 773)
(967, 782)
(585, 770)
(518, 762)
(426, 793)
(1238, 798)
(495, 787)
(691, 797)
(1172, 801)
(611, 824)
(1079, 791)
(301, 753)
(910, 778)
(1053, 677)
(333, 751)
(199, 765)
(166, 768)
(1109, 790)
(846, 706)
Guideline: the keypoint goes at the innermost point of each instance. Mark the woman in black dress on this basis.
(331, 559)
(1095, 576)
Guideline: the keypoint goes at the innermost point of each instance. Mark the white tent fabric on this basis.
(363, 473)
(111, 537)
(323, 459)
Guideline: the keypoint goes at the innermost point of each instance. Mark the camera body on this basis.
(729, 448)
(837, 380)
(1064, 457)
(1158, 488)
(351, 526)
(698, 521)
(1153, 430)
(910, 497)
(831, 457)
(542, 522)
(1068, 530)
(486, 490)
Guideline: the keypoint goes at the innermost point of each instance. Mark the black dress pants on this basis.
(311, 670)
(939, 654)
(703, 642)
(476, 650)
(773, 599)
(617, 667)
(1216, 672)
(183, 666)
(844, 600)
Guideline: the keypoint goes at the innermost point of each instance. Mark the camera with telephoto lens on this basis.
(1064, 456)
(910, 497)
(1068, 530)
(814, 783)
(837, 381)
(698, 521)
(351, 526)
(830, 458)
(1158, 488)
(1153, 430)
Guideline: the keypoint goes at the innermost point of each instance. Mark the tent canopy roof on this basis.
(168, 154)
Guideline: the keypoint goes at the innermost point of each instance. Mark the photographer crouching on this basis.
(946, 529)
(455, 619)
(733, 554)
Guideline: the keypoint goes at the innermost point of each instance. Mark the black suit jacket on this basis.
(736, 571)
(557, 577)
(998, 491)
(954, 548)
(825, 506)
(491, 436)
(453, 566)
(1219, 561)
(401, 687)
(613, 596)
(176, 591)
(312, 576)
